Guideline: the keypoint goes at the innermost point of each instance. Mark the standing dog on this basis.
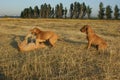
(44, 36)
(93, 38)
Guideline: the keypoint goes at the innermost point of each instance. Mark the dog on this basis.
(43, 36)
(93, 39)
(30, 44)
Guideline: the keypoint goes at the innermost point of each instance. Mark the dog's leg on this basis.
(39, 44)
(38, 41)
(89, 44)
(53, 40)
(51, 43)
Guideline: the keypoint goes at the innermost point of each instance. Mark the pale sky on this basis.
(14, 7)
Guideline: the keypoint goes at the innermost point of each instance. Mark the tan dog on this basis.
(93, 38)
(29, 45)
(43, 36)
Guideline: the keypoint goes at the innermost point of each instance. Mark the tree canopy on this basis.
(76, 10)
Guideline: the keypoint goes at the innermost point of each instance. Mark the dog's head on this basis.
(35, 31)
(86, 29)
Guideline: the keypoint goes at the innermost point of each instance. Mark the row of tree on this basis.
(77, 10)
(107, 12)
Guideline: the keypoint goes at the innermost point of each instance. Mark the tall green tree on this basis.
(108, 12)
(22, 14)
(61, 11)
(57, 11)
(48, 12)
(36, 12)
(71, 10)
(65, 12)
(45, 11)
(41, 12)
(89, 11)
(75, 10)
(52, 13)
(101, 11)
(26, 13)
(83, 10)
(116, 12)
(30, 13)
(78, 9)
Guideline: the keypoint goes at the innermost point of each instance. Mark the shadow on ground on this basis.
(74, 42)
(15, 40)
(3, 77)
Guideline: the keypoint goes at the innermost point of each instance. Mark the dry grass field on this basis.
(68, 60)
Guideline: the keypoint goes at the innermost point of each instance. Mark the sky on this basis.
(14, 7)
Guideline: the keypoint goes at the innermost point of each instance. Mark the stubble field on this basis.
(68, 60)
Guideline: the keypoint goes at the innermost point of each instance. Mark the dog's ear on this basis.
(33, 29)
(89, 29)
(86, 27)
(37, 30)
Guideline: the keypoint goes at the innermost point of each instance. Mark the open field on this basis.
(68, 60)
